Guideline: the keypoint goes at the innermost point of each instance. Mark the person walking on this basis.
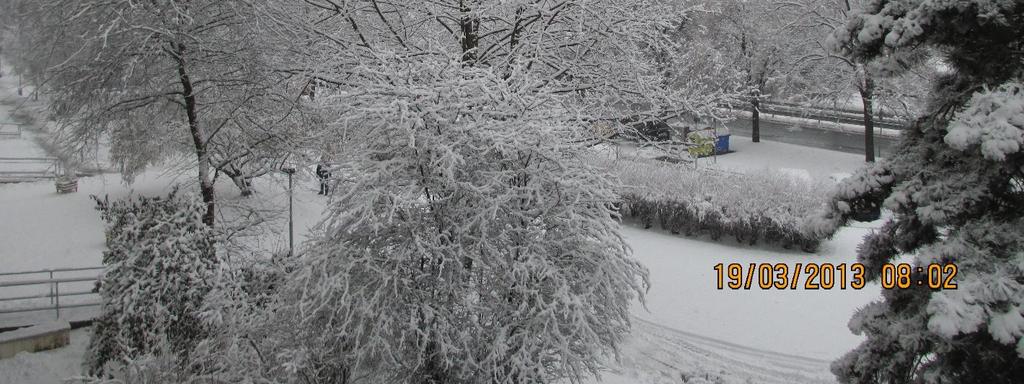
(323, 173)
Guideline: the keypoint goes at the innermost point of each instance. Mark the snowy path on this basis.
(656, 353)
(653, 355)
(20, 157)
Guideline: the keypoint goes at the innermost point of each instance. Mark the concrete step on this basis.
(40, 337)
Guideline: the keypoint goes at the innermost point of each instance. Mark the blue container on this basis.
(722, 145)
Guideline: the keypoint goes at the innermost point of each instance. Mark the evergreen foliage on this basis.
(955, 189)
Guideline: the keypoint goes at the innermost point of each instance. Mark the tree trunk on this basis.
(199, 138)
(755, 118)
(470, 26)
(867, 98)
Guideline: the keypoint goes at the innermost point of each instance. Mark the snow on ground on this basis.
(18, 142)
(658, 354)
(46, 367)
(748, 156)
(16, 146)
(42, 229)
(690, 329)
(684, 295)
(10, 145)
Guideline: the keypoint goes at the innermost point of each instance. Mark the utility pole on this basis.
(291, 225)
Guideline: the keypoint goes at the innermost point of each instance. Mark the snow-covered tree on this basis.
(165, 78)
(833, 77)
(475, 243)
(954, 186)
(21, 35)
(159, 264)
(767, 46)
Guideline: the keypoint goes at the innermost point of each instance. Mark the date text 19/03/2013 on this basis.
(814, 276)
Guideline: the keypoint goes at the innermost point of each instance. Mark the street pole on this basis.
(291, 225)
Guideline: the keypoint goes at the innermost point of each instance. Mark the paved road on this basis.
(787, 133)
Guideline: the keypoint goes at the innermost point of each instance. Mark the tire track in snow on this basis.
(659, 354)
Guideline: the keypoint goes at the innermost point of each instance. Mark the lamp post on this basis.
(291, 231)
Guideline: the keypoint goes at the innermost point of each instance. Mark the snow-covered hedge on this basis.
(766, 207)
(160, 263)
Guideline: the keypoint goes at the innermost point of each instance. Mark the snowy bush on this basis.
(764, 207)
(158, 366)
(160, 262)
(474, 245)
(855, 197)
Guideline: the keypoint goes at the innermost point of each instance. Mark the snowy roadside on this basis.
(819, 124)
(806, 163)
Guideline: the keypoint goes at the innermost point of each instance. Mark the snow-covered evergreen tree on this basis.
(955, 189)
(160, 263)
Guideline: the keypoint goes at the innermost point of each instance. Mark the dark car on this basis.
(651, 130)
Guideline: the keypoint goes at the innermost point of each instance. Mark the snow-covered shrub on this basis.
(159, 264)
(475, 245)
(245, 333)
(764, 207)
(856, 197)
(158, 366)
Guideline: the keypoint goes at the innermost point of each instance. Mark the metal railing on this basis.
(54, 284)
(837, 115)
(28, 168)
(8, 133)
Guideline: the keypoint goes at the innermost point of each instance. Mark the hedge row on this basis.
(766, 207)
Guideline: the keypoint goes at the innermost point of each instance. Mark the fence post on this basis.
(51, 287)
(56, 288)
